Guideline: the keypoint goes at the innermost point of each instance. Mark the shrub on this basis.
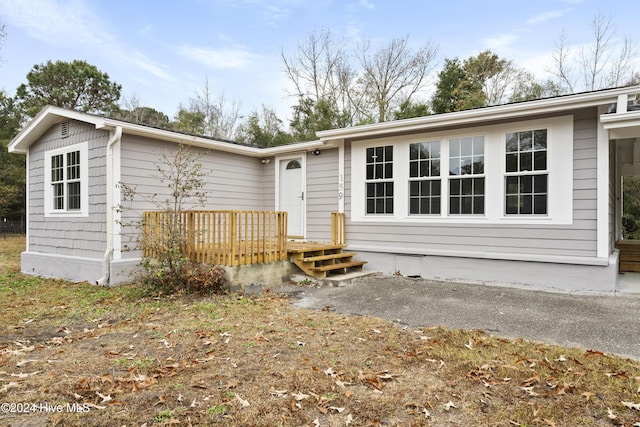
(181, 276)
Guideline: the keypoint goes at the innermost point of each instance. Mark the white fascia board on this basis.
(51, 115)
(209, 143)
(622, 125)
(498, 112)
(46, 118)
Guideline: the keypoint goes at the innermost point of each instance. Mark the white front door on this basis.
(291, 194)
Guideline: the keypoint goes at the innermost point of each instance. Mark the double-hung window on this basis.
(424, 178)
(379, 180)
(526, 179)
(66, 181)
(466, 176)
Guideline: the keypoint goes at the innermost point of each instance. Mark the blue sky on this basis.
(161, 51)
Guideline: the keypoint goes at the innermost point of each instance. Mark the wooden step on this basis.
(318, 259)
(330, 256)
(341, 266)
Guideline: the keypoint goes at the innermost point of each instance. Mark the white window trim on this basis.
(49, 212)
(560, 170)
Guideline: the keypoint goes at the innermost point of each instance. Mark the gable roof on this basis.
(51, 115)
(481, 115)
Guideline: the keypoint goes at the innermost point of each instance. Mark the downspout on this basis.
(116, 136)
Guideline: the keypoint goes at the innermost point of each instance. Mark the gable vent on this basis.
(64, 129)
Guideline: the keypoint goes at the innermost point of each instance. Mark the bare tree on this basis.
(321, 71)
(561, 68)
(393, 74)
(3, 34)
(602, 63)
(319, 67)
(221, 115)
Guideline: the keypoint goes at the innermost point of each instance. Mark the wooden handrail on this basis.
(224, 237)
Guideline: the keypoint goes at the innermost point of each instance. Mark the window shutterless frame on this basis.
(526, 173)
(379, 180)
(466, 176)
(425, 181)
(66, 181)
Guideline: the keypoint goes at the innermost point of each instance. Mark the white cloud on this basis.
(367, 4)
(500, 41)
(71, 24)
(218, 58)
(545, 16)
(59, 23)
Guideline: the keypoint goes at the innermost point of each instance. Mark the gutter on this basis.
(116, 137)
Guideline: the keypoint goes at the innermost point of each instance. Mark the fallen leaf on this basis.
(617, 375)
(631, 405)
(349, 419)
(449, 405)
(550, 423)
(23, 376)
(338, 410)
(300, 396)
(24, 362)
(103, 397)
(331, 372)
(610, 414)
(243, 403)
(426, 413)
(530, 391)
(376, 331)
(316, 423)
(9, 386)
(588, 395)
(193, 403)
(593, 353)
(278, 393)
(385, 375)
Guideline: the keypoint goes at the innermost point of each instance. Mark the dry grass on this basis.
(230, 360)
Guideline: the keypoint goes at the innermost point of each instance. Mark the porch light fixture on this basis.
(316, 152)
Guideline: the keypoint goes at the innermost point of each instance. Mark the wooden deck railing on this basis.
(225, 237)
(338, 228)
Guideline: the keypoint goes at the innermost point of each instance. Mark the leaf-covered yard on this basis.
(77, 354)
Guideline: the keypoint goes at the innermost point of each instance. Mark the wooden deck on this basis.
(236, 238)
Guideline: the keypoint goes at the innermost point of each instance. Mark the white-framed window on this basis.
(379, 180)
(425, 184)
(66, 181)
(466, 176)
(473, 175)
(527, 176)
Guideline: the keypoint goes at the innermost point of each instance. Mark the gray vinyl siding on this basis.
(268, 185)
(322, 193)
(78, 236)
(574, 240)
(232, 182)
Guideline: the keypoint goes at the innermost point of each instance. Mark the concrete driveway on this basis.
(608, 323)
